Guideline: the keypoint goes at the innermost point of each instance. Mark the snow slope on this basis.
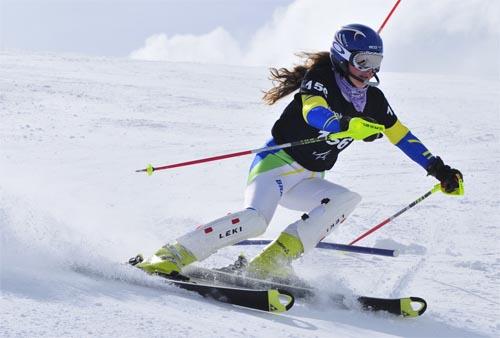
(73, 130)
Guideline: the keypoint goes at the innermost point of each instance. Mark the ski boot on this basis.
(238, 267)
(167, 261)
(274, 262)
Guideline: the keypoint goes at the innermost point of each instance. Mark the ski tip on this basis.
(413, 306)
(280, 300)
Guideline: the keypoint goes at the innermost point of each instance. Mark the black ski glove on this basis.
(445, 174)
(344, 125)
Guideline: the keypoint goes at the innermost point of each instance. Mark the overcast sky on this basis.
(446, 36)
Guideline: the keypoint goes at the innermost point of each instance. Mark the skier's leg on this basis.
(262, 195)
(225, 231)
(332, 204)
(310, 192)
(205, 240)
(266, 190)
(335, 205)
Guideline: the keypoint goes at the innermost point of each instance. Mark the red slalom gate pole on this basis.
(436, 188)
(388, 16)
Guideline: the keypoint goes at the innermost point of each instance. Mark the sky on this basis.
(445, 36)
(117, 27)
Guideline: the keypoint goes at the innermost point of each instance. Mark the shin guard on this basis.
(323, 219)
(228, 230)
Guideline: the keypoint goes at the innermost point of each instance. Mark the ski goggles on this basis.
(366, 61)
(363, 61)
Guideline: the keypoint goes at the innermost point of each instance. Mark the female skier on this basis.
(334, 95)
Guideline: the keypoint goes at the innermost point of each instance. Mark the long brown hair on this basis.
(287, 81)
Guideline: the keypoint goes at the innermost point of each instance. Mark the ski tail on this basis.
(398, 306)
(270, 299)
(406, 307)
(275, 298)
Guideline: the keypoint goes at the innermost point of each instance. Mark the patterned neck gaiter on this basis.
(357, 96)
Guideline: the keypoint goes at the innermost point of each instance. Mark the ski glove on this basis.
(374, 136)
(449, 177)
(344, 125)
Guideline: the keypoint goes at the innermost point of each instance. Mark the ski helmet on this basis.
(358, 45)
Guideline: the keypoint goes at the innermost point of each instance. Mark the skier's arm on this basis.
(315, 109)
(402, 137)
(317, 114)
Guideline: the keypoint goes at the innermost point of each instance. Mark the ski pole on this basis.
(436, 188)
(359, 129)
(388, 16)
(149, 169)
(333, 246)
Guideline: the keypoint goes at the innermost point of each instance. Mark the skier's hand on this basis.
(374, 136)
(450, 178)
(357, 128)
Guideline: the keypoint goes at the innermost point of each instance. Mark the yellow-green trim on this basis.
(396, 132)
(311, 101)
(275, 305)
(271, 161)
(149, 169)
(275, 259)
(457, 192)
(407, 308)
(359, 129)
(298, 171)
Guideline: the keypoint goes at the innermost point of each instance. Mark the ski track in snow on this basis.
(72, 209)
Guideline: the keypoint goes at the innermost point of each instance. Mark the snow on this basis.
(73, 130)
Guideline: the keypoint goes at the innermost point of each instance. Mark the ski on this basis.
(397, 306)
(264, 299)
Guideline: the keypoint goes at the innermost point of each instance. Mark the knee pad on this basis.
(228, 230)
(323, 219)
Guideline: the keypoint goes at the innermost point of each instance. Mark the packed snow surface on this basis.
(74, 129)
